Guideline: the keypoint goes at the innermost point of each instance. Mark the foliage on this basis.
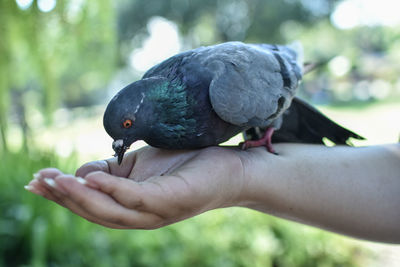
(51, 57)
(35, 232)
(229, 20)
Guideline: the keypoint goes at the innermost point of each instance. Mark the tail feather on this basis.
(302, 123)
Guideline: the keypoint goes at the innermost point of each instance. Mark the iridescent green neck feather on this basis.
(173, 108)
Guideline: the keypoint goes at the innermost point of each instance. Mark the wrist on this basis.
(251, 175)
(264, 174)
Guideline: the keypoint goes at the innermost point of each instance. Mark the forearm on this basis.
(354, 191)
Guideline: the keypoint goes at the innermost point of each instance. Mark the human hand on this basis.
(163, 186)
(332, 188)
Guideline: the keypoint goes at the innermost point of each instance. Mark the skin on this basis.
(352, 191)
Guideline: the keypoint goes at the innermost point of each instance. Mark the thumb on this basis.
(98, 165)
(109, 166)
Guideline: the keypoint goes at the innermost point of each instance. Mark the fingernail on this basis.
(86, 183)
(36, 175)
(81, 180)
(50, 182)
(32, 189)
(28, 187)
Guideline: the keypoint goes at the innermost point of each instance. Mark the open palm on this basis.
(163, 186)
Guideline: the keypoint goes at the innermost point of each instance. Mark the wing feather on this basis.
(251, 84)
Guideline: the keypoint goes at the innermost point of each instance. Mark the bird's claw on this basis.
(264, 141)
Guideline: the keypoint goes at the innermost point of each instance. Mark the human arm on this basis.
(353, 191)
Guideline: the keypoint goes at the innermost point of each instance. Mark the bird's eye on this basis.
(127, 124)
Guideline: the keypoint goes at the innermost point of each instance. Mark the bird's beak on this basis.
(119, 147)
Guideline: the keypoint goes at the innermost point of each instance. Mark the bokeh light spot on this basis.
(46, 5)
(162, 43)
(339, 66)
(352, 13)
(24, 4)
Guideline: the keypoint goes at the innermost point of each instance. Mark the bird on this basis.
(204, 96)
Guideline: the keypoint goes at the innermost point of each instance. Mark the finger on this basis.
(49, 191)
(58, 196)
(37, 187)
(48, 173)
(98, 165)
(110, 166)
(159, 195)
(103, 207)
(126, 166)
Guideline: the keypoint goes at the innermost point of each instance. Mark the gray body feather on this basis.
(251, 84)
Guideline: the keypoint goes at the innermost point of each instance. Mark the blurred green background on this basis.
(62, 61)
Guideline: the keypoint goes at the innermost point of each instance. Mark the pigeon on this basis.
(205, 96)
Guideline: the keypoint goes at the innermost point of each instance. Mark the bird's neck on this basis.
(173, 109)
(171, 98)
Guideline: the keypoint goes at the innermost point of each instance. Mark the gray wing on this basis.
(252, 84)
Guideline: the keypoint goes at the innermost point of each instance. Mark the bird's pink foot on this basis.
(264, 141)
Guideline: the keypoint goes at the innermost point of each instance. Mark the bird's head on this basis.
(128, 115)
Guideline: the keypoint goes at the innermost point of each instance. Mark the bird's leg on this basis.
(264, 141)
